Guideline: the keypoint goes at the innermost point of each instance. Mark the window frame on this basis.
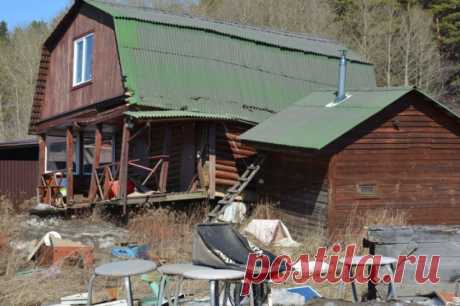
(76, 41)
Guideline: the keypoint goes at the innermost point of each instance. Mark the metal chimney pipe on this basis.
(342, 76)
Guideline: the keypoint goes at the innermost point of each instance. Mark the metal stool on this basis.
(124, 269)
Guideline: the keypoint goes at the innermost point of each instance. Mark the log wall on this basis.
(232, 157)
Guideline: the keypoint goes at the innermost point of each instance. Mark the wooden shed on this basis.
(18, 169)
(393, 148)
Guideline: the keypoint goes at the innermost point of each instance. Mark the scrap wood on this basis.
(46, 240)
(59, 251)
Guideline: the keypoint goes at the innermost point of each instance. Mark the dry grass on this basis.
(265, 210)
(360, 220)
(353, 233)
(168, 232)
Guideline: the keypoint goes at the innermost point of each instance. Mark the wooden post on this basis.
(78, 149)
(41, 155)
(69, 154)
(165, 166)
(41, 165)
(123, 175)
(96, 161)
(212, 161)
(331, 213)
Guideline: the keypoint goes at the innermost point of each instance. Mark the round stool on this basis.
(124, 269)
(177, 271)
(214, 276)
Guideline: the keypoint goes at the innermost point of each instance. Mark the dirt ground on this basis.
(167, 232)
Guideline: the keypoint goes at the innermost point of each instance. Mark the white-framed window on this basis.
(83, 59)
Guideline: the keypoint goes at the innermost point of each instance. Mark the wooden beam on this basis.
(96, 162)
(123, 174)
(331, 213)
(212, 160)
(69, 154)
(41, 155)
(165, 166)
(41, 165)
(80, 151)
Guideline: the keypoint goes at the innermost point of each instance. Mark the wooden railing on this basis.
(105, 176)
(51, 189)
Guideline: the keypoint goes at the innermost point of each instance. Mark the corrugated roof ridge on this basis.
(244, 26)
(375, 89)
(356, 56)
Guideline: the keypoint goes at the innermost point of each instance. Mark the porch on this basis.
(129, 160)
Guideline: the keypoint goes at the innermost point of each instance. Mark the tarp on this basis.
(271, 232)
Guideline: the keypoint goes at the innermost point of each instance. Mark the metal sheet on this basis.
(309, 123)
(176, 62)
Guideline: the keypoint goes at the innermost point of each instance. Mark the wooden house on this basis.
(393, 148)
(136, 106)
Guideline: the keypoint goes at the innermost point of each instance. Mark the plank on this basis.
(212, 161)
(69, 162)
(96, 162)
(123, 175)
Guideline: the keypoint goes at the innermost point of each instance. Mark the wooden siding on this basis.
(410, 153)
(60, 97)
(232, 157)
(18, 173)
(299, 183)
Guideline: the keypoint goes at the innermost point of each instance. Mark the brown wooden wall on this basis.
(411, 153)
(18, 173)
(232, 157)
(299, 183)
(60, 96)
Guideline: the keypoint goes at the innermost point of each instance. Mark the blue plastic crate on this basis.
(306, 291)
(131, 251)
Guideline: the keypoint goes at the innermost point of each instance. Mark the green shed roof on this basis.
(316, 121)
(180, 62)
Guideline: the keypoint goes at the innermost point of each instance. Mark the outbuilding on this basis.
(18, 169)
(393, 148)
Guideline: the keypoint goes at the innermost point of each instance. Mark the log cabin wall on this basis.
(232, 157)
(299, 183)
(60, 95)
(407, 159)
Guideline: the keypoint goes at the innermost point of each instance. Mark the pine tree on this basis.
(447, 22)
(3, 30)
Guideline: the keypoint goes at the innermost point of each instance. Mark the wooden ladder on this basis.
(242, 182)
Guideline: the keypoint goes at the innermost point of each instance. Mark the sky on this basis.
(22, 12)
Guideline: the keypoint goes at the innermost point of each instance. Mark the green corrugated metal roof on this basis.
(179, 62)
(289, 40)
(175, 114)
(310, 124)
